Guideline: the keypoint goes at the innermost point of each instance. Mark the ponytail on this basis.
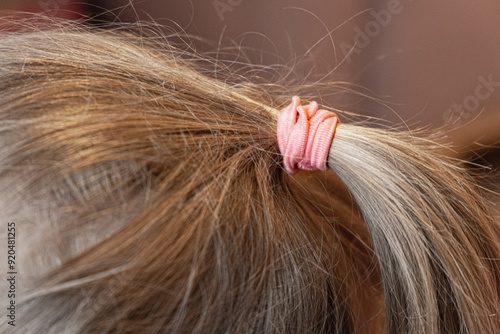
(436, 244)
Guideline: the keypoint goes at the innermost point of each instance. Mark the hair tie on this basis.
(305, 135)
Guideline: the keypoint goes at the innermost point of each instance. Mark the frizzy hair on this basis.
(150, 197)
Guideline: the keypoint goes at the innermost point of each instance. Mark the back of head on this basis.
(149, 196)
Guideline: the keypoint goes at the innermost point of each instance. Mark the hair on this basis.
(149, 196)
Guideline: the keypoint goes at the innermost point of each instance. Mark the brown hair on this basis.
(150, 198)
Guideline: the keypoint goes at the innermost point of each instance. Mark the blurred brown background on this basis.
(424, 63)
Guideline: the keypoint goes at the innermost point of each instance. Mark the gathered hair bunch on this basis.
(150, 196)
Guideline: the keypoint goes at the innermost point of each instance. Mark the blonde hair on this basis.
(150, 197)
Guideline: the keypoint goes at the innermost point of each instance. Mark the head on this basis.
(149, 195)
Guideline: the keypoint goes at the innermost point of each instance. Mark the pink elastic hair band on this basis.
(305, 135)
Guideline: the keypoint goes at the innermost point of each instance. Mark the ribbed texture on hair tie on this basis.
(305, 135)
